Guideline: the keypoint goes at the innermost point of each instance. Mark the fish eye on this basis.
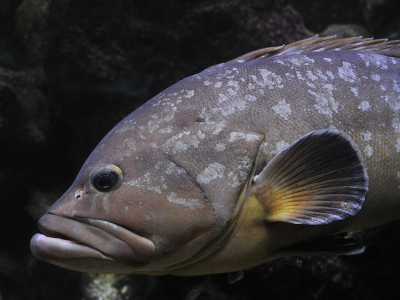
(106, 178)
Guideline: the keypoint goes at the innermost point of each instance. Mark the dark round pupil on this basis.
(105, 181)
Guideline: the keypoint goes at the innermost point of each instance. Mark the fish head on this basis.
(146, 205)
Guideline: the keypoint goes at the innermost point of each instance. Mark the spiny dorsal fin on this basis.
(318, 179)
(324, 44)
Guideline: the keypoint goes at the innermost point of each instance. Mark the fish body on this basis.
(270, 154)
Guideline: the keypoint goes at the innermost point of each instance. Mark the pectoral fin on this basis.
(318, 179)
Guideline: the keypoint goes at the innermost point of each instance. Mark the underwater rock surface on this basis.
(70, 70)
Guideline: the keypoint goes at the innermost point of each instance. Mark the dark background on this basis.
(71, 69)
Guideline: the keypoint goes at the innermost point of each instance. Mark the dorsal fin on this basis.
(323, 44)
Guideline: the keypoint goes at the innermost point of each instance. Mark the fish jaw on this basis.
(90, 245)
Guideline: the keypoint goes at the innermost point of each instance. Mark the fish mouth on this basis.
(90, 245)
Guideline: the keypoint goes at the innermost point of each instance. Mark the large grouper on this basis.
(278, 152)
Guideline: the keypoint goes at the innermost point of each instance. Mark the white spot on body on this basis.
(181, 142)
(321, 75)
(220, 147)
(121, 129)
(367, 136)
(376, 77)
(219, 128)
(296, 60)
(311, 76)
(250, 98)
(269, 79)
(364, 105)
(346, 72)
(385, 97)
(205, 115)
(218, 84)
(167, 129)
(232, 92)
(144, 182)
(289, 75)
(212, 172)
(250, 86)
(282, 109)
(248, 137)
(233, 83)
(200, 134)
(233, 180)
(377, 60)
(189, 94)
(222, 98)
(368, 151)
(152, 125)
(106, 203)
(125, 128)
(311, 85)
(327, 59)
(330, 74)
(128, 147)
(325, 102)
(228, 108)
(354, 90)
(299, 76)
(191, 203)
(170, 168)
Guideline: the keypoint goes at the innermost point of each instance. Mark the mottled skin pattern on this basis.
(188, 154)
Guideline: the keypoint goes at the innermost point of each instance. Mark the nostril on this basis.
(80, 192)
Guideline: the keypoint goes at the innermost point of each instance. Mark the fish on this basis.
(281, 151)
